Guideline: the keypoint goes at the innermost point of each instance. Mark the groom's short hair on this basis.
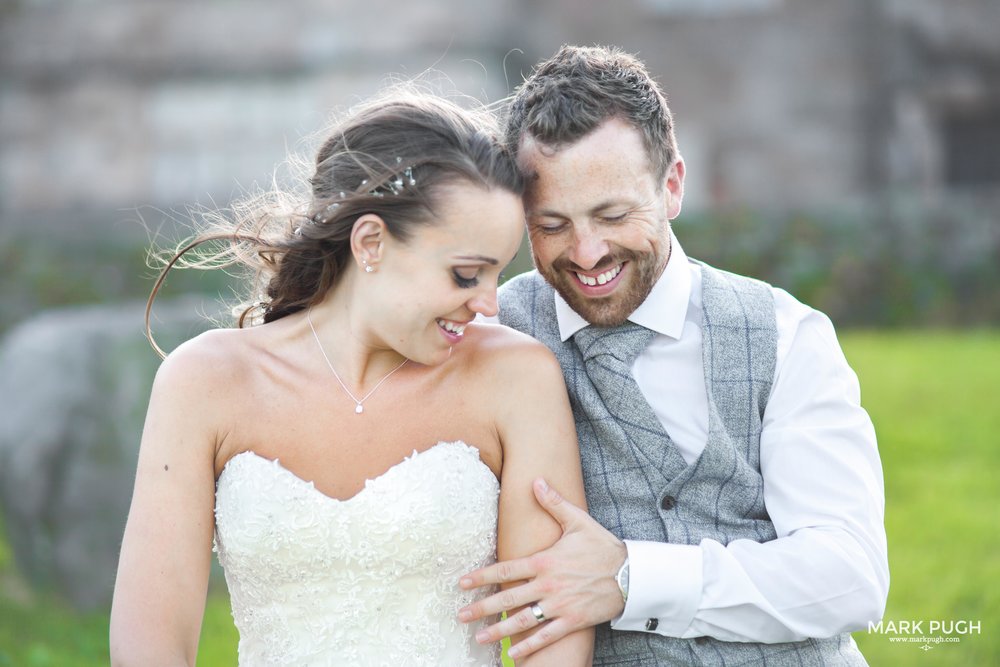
(569, 95)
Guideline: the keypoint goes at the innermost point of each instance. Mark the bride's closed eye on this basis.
(466, 277)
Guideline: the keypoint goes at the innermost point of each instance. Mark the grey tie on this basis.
(608, 355)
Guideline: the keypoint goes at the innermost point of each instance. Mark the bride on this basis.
(354, 454)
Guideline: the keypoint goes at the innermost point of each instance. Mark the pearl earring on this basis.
(368, 267)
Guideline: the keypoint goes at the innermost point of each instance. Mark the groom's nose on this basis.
(589, 246)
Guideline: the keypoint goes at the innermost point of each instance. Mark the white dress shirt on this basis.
(827, 571)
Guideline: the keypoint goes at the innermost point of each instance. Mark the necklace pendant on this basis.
(359, 409)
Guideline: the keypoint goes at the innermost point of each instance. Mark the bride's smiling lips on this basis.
(451, 330)
(598, 283)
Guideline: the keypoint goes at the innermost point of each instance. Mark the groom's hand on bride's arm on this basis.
(572, 582)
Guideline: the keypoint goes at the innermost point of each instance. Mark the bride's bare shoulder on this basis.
(502, 352)
(214, 358)
(495, 338)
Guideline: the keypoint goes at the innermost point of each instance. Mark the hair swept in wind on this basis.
(390, 156)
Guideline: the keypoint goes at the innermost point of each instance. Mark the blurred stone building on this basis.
(107, 105)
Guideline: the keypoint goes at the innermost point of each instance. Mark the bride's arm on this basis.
(163, 569)
(536, 430)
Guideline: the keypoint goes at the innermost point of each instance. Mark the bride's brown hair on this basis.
(390, 157)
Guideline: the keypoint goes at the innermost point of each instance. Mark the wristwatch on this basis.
(622, 579)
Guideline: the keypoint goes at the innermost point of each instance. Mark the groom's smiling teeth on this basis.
(601, 278)
(453, 327)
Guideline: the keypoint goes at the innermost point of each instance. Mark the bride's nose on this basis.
(484, 302)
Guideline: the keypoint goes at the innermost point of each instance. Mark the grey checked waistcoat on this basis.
(638, 485)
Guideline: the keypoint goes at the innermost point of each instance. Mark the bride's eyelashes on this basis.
(465, 278)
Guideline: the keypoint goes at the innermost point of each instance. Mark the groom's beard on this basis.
(641, 273)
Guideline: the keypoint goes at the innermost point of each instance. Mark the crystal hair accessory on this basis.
(395, 185)
(330, 209)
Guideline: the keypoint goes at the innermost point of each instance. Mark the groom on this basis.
(733, 480)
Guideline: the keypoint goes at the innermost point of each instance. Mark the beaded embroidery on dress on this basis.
(371, 580)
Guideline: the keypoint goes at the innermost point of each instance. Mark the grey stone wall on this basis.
(109, 104)
(74, 384)
(116, 104)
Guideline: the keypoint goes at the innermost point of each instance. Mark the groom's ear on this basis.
(673, 188)
(368, 239)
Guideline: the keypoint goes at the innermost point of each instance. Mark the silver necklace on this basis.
(358, 407)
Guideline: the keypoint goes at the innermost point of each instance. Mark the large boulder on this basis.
(74, 385)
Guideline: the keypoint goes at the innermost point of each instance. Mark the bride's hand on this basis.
(572, 583)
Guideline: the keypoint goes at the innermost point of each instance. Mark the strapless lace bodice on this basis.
(372, 580)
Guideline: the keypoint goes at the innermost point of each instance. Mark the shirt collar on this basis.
(663, 311)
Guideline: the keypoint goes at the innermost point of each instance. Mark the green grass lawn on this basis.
(934, 400)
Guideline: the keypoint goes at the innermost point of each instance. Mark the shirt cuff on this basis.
(664, 590)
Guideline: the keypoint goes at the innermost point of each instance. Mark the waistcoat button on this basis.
(668, 502)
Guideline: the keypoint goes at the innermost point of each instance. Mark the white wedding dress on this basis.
(372, 580)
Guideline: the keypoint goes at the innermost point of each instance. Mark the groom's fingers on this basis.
(566, 513)
(547, 633)
(522, 621)
(505, 600)
(504, 572)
